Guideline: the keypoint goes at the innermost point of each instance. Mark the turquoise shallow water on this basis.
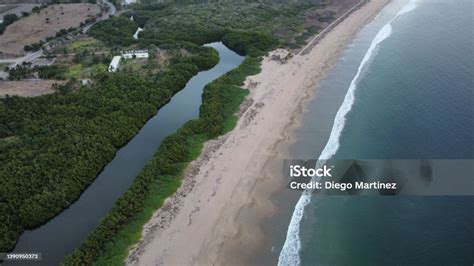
(413, 99)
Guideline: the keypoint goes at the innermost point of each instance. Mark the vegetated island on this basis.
(53, 146)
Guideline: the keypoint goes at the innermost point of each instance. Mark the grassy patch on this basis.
(82, 44)
(3, 66)
(75, 71)
(98, 69)
(195, 144)
(230, 123)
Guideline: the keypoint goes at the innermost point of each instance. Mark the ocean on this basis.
(403, 89)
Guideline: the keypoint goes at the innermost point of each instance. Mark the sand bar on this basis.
(213, 218)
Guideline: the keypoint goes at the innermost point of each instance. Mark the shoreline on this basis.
(227, 191)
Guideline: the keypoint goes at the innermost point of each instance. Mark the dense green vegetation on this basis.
(116, 31)
(33, 46)
(279, 19)
(53, 146)
(273, 23)
(61, 141)
(43, 72)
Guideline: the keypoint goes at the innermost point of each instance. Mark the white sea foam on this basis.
(289, 254)
(410, 6)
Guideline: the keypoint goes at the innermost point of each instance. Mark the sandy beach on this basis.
(214, 216)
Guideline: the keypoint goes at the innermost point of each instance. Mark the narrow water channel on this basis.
(60, 236)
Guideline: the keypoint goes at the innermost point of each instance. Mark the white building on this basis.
(128, 2)
(135, 54)
(135, 36)
(115, 63)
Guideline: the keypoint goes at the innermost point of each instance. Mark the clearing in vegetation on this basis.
(27, 88)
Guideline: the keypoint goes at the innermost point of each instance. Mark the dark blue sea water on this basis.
(403, 89)
(416, 97)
